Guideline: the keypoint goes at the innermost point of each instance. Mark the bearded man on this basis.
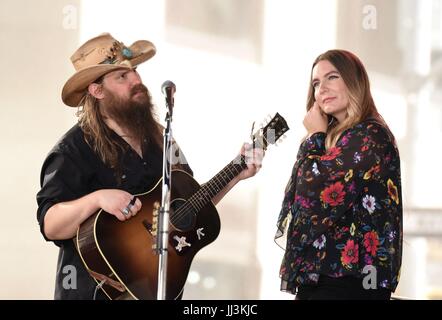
(113, 153)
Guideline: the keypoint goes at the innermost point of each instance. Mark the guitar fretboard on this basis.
(210, 189)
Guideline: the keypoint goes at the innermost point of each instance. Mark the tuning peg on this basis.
(251, 131)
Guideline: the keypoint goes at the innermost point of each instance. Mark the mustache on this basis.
(138, 88)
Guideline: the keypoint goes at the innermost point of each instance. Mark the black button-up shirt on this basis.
(72, 170)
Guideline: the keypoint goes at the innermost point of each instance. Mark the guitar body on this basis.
(120, 255)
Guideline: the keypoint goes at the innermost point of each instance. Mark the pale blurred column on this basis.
(413, 281)
(38, 38)
(295, 34)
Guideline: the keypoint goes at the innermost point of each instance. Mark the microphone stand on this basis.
(164, 211)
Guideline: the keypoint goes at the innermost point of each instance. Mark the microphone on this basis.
(168, 89)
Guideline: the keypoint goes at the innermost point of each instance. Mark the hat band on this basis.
(126, 53)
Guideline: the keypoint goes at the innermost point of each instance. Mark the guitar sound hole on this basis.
(182, 216)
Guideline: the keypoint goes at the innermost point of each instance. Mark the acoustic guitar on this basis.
(121, 256)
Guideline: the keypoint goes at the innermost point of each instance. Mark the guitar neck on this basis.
(269, 134)
(210, 189)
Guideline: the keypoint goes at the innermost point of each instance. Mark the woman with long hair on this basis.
(342, 209)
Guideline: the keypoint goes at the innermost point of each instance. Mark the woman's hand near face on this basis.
(315, 120)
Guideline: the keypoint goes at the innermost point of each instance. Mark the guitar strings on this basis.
(203, 195)
(193, 201)
(200, 199)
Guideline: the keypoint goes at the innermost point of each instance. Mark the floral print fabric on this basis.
(342, 209)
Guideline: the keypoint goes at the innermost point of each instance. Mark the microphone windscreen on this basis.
(168, 85)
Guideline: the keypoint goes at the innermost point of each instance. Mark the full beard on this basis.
(134, 115)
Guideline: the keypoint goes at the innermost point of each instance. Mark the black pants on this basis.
(344, 288)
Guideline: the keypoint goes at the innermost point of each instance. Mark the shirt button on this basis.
(123, 176)
(145, 163)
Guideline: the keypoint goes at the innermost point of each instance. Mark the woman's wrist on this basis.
(312, 133)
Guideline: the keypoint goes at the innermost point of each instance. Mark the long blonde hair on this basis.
(361, 105)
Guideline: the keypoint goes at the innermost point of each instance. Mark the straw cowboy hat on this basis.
(98, 56)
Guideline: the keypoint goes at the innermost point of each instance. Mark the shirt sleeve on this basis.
(328, 183)
(61, 180)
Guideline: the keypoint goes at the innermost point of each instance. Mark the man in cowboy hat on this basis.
(112, 153)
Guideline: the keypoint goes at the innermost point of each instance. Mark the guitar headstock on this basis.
(273, 130)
